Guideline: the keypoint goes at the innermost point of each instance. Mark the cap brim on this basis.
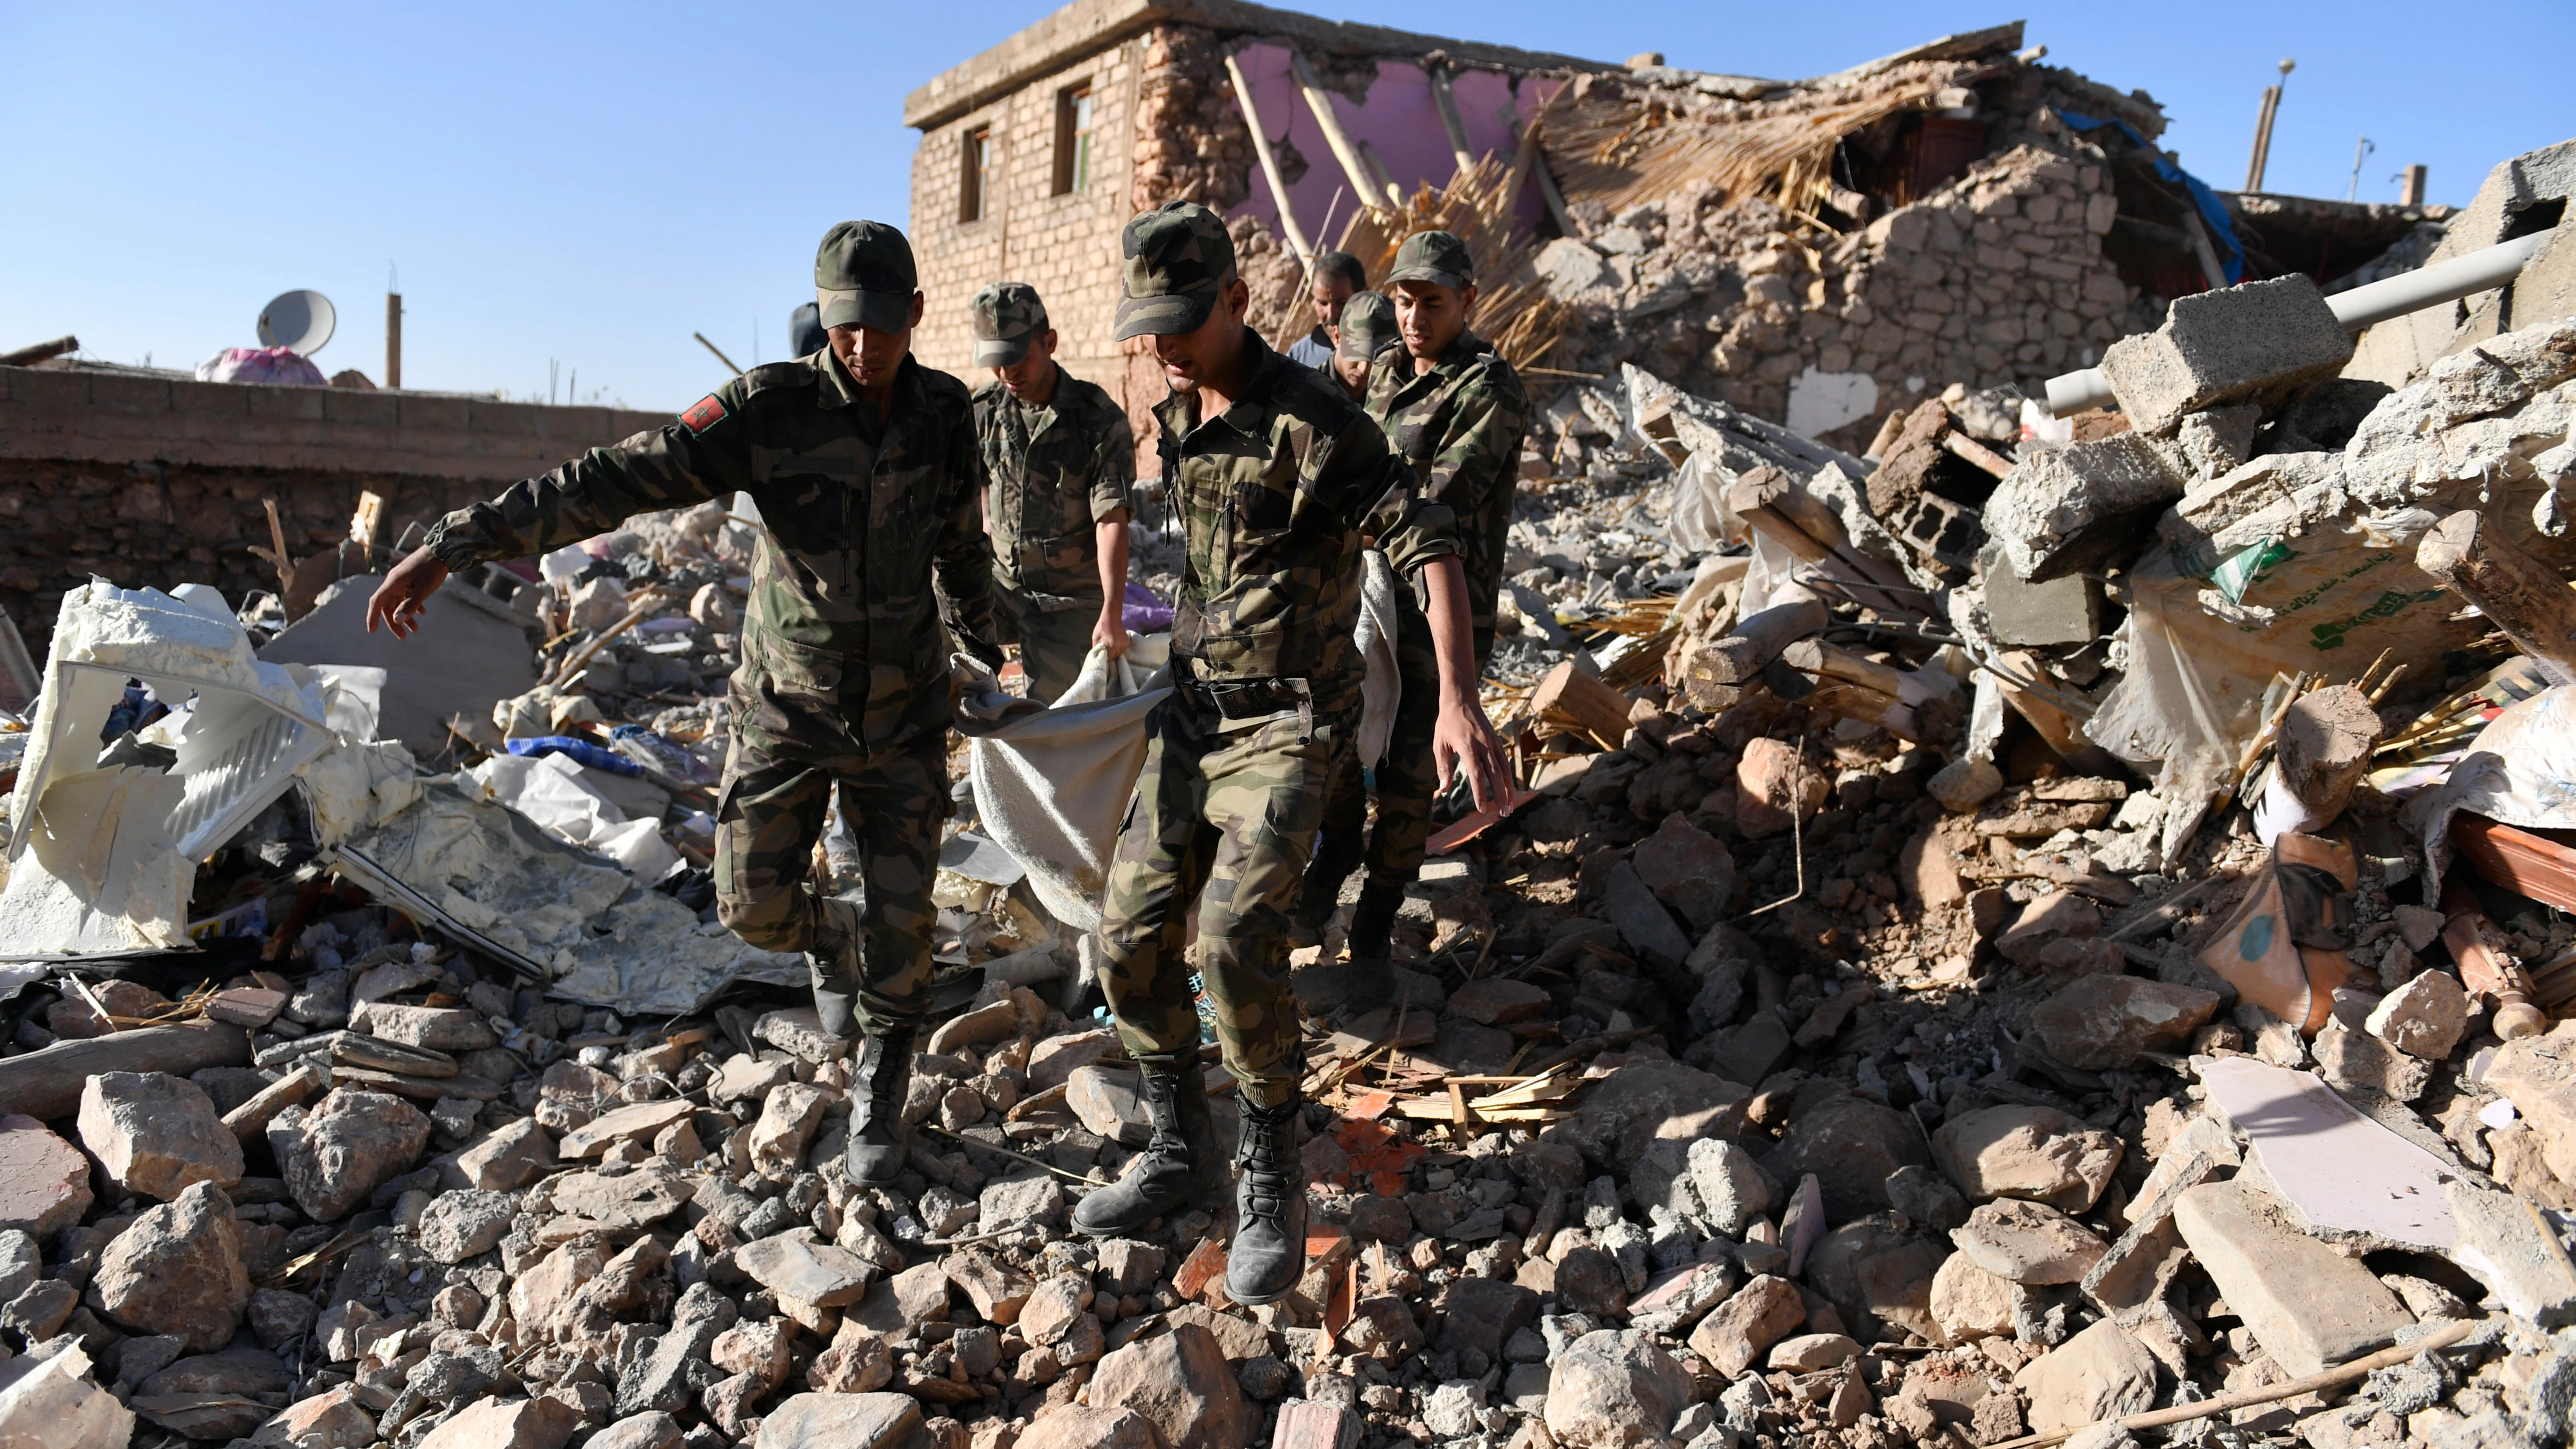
(992, 353)
(1165, 315)
(1450, 280)
(882, 311)
(1358, 350)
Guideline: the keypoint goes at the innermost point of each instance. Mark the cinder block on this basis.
(366, 409)
(2061, 611)
(2065, 510)
(113, 392)
(2241, 342)
(450, 413)
(2309, 1306)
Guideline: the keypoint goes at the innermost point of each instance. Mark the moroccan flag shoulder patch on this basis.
(704, 414)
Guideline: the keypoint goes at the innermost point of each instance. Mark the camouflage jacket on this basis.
(840, 641)
(1273, 494)
(1459, 426)
(1050, 474)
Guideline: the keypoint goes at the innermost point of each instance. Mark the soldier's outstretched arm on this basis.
(699, 455)
(1462, 736)
(962, 561)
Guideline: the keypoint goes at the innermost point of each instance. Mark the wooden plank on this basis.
(2517, 859)
(46, 1085)
(1571, 697)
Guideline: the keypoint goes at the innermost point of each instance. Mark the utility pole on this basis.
(2411, 192)
(2263, 128)
(393, 327)
(2352, 189)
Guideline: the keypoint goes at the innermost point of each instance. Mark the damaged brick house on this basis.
(1817, 252)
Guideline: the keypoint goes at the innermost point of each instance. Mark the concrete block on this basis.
(2067, 510)
(368, 409)
(209, 399)
(2248, 341)
(283, 404)
(2513, 1250)
(2306, 1304)
(113, 392)
(502, 420)
(453, 414)
(2061, 611)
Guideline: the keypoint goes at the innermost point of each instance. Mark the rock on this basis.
(1812, 1352)
(2538, 1075)
(625, 1201)
(1380, 1219)
(435, 1028)
(1964, 784)
(1451, 1410)
(743, 1077)
(2101, 1373)
(2055, 916)
(1052, 1061)
(1641, 919)
(643, 1431)
(276, 1316)
(1739, 1331)
(1732, 1189)
(2356, 1062)
(1643, 1101)
(1851, 1144)
(177, 1269)
(509, 1159)
(858, 1362)
(1180, 1383)
(1773, 782)
(244, 1371)
(794, 1265)
(463, 1223)
(349, 1146)
(44, 1181)
(1926, 1198)
(788, 1118)
(2423, 1018)
(39, 1311)
(20, 1263)
(1107, 1101)
(539, 1423)
(669, 1373)
(154, 1134)
(1030, 1199)
(1589, 1280)
(2028, 1242)
(2306, 1304)
(999, 1292)
(1499, 1001)
(1970, 1303)
(333, 1419)
(74, 1019)
(1614, 1389)
(1079, 1426)
(639, 1120)
(798, 1032)
(2515, 1251)
(1687, 869)
(1238, 1339)
(1052, 1308)
(1483, 1314)
(1871, 1269)
(2417, 927)
(2037, 1153)
(2103, 1022)
(760, 1349)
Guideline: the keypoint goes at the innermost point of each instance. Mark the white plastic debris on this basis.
(549, 790)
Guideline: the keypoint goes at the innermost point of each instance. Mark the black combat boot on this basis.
(880, 1075)
(1369, 980)
(1179, 1168)
(832, 958)
(1268, 1253)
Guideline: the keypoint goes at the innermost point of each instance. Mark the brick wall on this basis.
(150, 481)
(1066, 245)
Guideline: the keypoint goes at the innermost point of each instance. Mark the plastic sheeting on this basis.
(549, 790)
(2520, 771)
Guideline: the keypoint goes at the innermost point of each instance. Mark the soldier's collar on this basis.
(1261, 365)
(835, 388)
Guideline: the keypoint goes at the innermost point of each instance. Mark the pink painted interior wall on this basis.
(1400, 121)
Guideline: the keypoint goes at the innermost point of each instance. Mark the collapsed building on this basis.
(2042, 909)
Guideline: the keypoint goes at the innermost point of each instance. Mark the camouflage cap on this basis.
(1179, 259)
(863, 277)
(1433, 256)
(1008, 317)
(1368, 326)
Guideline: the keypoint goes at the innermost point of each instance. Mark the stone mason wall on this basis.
(146, 480)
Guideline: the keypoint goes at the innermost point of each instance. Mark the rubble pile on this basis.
(2017, 934)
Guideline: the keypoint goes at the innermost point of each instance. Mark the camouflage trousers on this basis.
(776, 797)
(1217, 836)
(1053, 642)
(1406, 777)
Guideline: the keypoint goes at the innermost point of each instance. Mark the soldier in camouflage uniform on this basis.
(863, 464)
(1368, 328)
(1274, 474)
(1455, 411)
(1058, 459)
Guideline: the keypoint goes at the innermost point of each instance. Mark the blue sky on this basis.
(588, 184)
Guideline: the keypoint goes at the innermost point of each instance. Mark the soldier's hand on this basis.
(1111, 632)
(399, 600)
(1464, 738)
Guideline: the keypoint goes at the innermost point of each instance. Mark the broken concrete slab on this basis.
(2343, 1174)
(2308, 1305)
(2250, 341)
(2516, 1252)
(2071, 510)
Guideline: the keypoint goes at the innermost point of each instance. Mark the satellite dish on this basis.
(300, 321)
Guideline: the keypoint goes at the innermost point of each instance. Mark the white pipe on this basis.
(2479, 271)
